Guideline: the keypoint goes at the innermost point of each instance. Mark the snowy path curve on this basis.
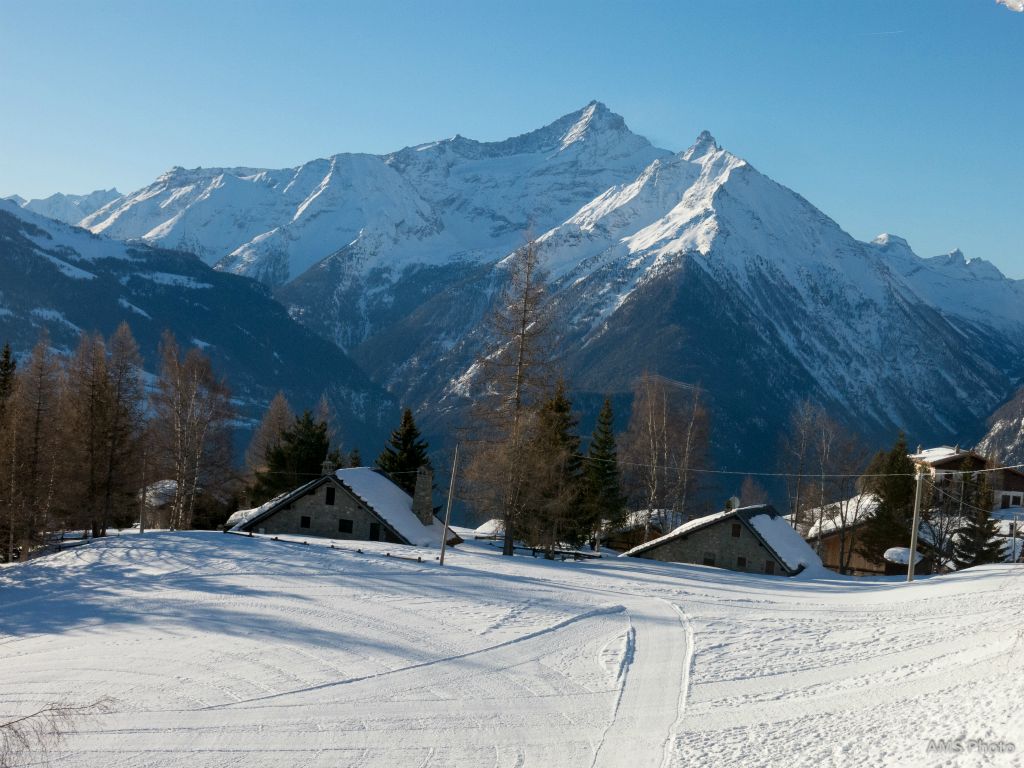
(649, 709)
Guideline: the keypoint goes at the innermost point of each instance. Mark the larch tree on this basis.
(405, 452)
(125, 427)
(36, 442)
(296, 459)
(84, 418)
(514, 370)
(278, 419)
(192, 411)
(8, 370)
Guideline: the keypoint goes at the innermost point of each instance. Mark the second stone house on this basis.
(359, 503)
(754, 539)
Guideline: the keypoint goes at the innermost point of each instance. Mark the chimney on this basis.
(423, 497)
(327, 467)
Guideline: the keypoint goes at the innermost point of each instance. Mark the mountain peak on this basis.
(704, 144)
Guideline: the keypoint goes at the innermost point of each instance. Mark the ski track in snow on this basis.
(224, 650)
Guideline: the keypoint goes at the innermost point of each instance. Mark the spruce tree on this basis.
(295, 460)
(404, 453)
(553, 493)
(355, 459)
(890, 476)
(977, 541)
(604, 504)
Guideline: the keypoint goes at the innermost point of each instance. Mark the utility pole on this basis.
(448, 510)
(142, 494)
(912, 558)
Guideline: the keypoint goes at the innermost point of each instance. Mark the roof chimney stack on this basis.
(422, 497)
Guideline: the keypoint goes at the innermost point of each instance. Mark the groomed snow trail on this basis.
(226, 650)
(649, 708)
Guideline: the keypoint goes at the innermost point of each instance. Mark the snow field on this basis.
(229, 650)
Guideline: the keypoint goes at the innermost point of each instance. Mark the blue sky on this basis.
(905, 117)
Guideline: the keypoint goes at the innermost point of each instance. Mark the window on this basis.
(1015, 502)
(735, 530)
(374, 531)
(741, 563)
(304, 521)
(1005, 502)
(709, 558)
(329, 496)
(344, 526)
(769, 567)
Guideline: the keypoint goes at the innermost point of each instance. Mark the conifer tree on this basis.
(8, 368)
(355, 459)
(278, 418)
(604, 504)
(8, 371)
(977, 541)
(404, 453)
(553, 493)
(295, 460)
(890, 476)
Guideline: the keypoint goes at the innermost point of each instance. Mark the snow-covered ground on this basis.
(225, 650)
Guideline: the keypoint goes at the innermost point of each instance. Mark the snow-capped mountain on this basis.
(69, 209)
(691, 264)
(1005, 437)
(70, 281)
(456, 199)
(704, 269)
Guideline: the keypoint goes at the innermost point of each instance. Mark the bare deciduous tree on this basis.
(665, 447)
(193, 414)
(515, 369)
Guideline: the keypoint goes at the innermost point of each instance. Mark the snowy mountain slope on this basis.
(70, 209)
(221, 650)
(455, 199)
(71, 281)
(1005, 437)
(706, 270)
(691, 264)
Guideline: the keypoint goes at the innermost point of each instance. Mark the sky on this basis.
(903, 117)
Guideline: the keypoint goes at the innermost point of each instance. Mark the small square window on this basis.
(735, 530)
(344, 526)
(709, 558)
(1016, 501)
(769, 567)
(741, 563)
(329, 496)
(304, 521)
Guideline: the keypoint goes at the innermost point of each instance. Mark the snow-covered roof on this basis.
(387, 500)
(830, 518)
(775, 533)
(901, 555)
(780, 537)
(682, 530)
(493, 527)
(392, 504)
(161, 492)
(639, 519)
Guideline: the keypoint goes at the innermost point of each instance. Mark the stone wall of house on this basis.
(324, 518)
(717, 539)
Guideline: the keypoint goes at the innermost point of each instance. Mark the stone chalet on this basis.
(358, 504)
(754, 539)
